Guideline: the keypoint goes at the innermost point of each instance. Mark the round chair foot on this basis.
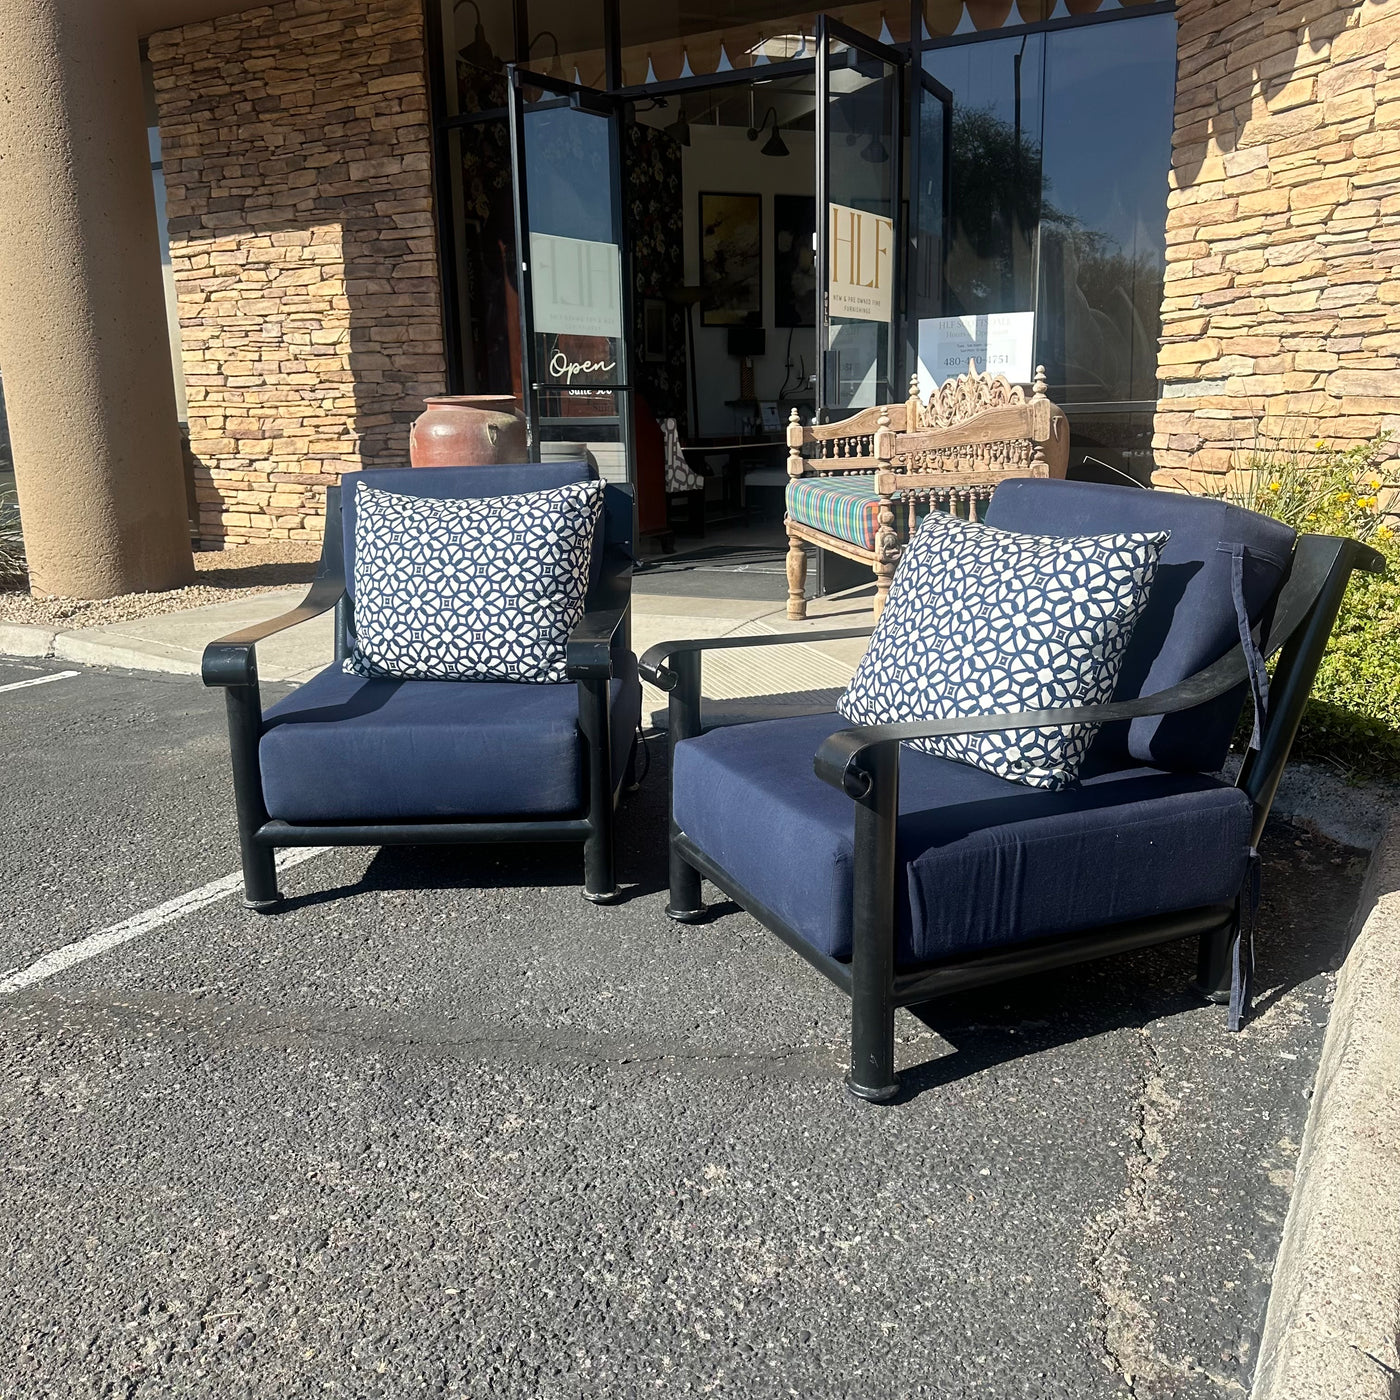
(685, 916)
(867, 1095)
(263, 906)
(611, 897)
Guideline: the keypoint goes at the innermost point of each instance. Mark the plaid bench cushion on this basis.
(845, 507)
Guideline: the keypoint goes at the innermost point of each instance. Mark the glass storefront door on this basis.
(860, 257)
(574, 303)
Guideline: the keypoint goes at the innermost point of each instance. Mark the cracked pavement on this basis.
(442, 1128)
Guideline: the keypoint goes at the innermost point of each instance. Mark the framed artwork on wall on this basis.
(794, 261)
(731, 259)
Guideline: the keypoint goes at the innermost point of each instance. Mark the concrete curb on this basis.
(1334, 1307)
(25, 639)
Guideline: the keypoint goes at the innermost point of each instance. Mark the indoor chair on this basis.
(349, 761)
(904, 877)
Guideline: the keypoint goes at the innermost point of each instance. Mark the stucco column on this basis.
(83, 341)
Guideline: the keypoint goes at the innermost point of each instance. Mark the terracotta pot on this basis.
(468, 430)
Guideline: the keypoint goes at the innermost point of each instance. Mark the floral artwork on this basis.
(731, 259)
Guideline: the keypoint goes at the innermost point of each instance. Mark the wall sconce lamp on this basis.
(478, 52)
(553, 39)
(775, 145)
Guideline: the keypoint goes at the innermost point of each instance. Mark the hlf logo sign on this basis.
(861, 252)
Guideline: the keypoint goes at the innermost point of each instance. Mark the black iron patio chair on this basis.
(904, 877)
(350, 761)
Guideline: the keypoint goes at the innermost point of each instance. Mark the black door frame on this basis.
(607, 106)
(829, 30)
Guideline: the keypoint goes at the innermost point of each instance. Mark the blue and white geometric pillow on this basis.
(472, 590)
(988, 621)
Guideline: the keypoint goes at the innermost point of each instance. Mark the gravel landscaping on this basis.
(223, 576)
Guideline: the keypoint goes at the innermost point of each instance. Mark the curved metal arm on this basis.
(840, 761)
(836, 760)
(665, 678)
(231, 660)
(588, 655)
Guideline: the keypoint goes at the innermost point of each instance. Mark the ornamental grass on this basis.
(1353, 719)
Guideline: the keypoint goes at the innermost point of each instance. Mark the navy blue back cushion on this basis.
(1189, 621)
(456, 483)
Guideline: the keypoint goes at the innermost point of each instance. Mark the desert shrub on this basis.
(1353, 719)
(12, 570)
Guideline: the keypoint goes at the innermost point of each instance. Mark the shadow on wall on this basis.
(1217, 84)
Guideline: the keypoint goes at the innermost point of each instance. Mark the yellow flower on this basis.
(1384, 533)
(1375, 483)
(1273, 486)
(1320, 444)
(1344, 497)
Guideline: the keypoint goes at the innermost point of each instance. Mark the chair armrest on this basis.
(838, 760)
(664, 678)
(230, 660)
(588, 654)
(1318, 560)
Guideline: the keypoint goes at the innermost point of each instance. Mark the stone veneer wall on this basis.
(1281, 305)
(296, 144)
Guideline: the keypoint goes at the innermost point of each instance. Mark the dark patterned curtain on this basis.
(656, 232)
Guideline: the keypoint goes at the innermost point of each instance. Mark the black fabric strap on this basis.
(1254, 657)
(1242, 974)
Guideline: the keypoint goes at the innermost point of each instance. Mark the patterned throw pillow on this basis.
(988, 621)
(470, 590)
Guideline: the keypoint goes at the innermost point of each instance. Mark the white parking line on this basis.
(40, 680)
(71, 954)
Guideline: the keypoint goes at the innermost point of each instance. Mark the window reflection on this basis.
(1059, 150)
(486, 257)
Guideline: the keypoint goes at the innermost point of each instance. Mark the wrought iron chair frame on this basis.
(863, 762)
(231, 665)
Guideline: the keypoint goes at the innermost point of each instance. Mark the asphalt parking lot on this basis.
(443, 1128)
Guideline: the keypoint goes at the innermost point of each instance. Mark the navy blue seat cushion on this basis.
(987, 861)
(344, 748)
(1189, 621)
(457, 483)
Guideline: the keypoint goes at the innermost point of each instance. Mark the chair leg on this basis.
(599, 867)
(260, 892)
(686, 905)
(796, 579)
(872, 1076)
(1215, 964)
(884, 576)
(259, 862)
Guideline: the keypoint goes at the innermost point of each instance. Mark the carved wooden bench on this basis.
(859, 487)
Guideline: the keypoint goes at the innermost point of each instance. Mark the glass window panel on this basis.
(479, 40)
(995, 175)
(1108, 103)
(565, 40)
(945, 18)
(862, 131)
(486, 261)
(664, 40)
